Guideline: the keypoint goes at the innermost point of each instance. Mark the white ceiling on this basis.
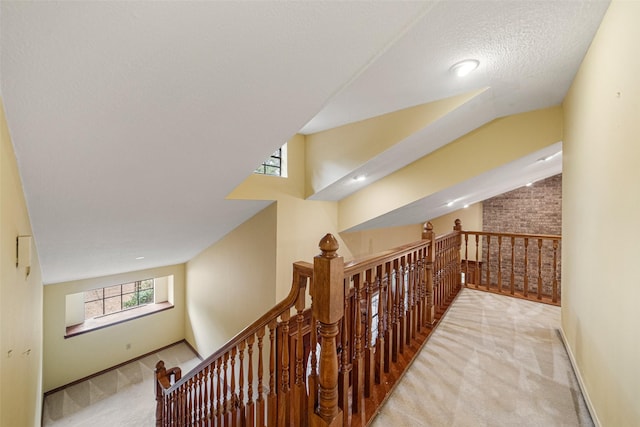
(128, 118)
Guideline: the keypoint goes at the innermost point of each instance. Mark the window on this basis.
(276, 164)
(102, 307)
(112, 299)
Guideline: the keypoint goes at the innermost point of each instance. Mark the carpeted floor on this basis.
(119, 398)
(493, 361)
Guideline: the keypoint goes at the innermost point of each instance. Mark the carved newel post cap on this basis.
(458, 223)
(428, 226)
(328, 246)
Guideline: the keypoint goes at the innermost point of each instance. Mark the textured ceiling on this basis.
(128, 118)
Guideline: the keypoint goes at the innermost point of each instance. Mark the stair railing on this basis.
(333, 364)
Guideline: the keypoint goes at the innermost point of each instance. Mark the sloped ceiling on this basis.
(132, 121)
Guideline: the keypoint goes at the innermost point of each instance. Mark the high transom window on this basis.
(276, 164)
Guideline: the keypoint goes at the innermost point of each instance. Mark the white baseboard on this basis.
(576, 371)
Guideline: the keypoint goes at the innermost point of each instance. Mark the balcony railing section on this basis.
(521, 265)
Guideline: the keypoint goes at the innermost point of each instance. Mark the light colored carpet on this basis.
(121, 397)
(493, 361)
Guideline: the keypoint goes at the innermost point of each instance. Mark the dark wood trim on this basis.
(115, 319)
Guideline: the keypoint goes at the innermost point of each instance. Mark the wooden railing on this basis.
(332, 364)
(522, 265)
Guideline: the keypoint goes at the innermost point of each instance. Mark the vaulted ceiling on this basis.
(132, 121)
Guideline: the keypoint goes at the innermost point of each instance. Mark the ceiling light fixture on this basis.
(529, 184)
(359, 178)
(449, 204)
(465, 206)
(139, 257)
(546, 159)
(463, 68)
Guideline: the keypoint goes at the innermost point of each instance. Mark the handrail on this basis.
(531, 236)
(304, 269)
(368, 261)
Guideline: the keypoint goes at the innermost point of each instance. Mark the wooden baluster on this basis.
(211, 405)
(500, 264)
(466, 259)
(225, 390)
(231, 405)
(272, 398)
(250, 406)
(284, 392)
(240, 405)
(456, 256)
(299, 391)
(477, 269)
(345, 367)
(411, 315)
(260, 402)
(488, 261)
(380, 344)
(190, 399)
(421, 289)
(555, 271)
(539, 269)
(328, 309)
(402, 312)
(198, 398)
(513, 266)
(395, 322)
(219, 406)
(204, 415)
(313, 376)
(388, 349)
(526, 272)
(370, 349)
(428, 234)
(357, 387)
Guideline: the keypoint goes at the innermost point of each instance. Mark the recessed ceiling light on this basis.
(449, 204)
(139, 257)
(465, 206)
(529, 184)
(546, 159)
(359, 178)
(463, 68)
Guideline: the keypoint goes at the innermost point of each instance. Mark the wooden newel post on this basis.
(328, 310)
(458, 228)
(164, 379)
(428, 234)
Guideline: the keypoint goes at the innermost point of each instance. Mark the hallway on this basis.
(492, 361)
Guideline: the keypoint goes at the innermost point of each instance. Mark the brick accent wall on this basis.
(536, 209)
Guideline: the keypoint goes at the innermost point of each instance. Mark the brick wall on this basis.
(536, 209)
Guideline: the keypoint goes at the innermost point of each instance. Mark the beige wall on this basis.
(369, 242)
(20, 302)
(66, 360)
(471, 218)
(479, 151)
(300, 223)
(601, 218)
(231, 283)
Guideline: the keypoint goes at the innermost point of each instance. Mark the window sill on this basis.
(115, 318)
